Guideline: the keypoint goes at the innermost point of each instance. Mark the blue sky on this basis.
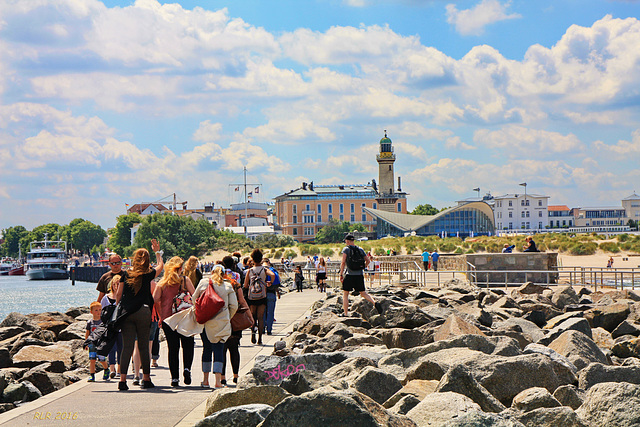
(115, 102)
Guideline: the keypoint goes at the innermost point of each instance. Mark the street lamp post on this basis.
(524, 184)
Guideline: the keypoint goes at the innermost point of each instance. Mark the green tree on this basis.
(178, 235)
(84, 234)
(335, 231)
(120, 238)
(12, 236)
(425, 209)
(37, 234)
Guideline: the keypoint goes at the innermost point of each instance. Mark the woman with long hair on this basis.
(190, 269)
(258, 306)
(217, 330)
(135, 299)
(232, 344)
(321, 275)
(170, 286)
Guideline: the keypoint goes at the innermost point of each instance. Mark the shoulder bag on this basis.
(208, 304)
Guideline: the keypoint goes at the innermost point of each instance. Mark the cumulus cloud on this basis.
(517, 141)
(473, 21)
(622, 147)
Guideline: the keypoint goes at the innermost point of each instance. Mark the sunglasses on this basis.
(116, 263)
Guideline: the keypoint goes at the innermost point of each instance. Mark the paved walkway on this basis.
(100, 404)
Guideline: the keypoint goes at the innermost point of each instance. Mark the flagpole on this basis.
(245, 202)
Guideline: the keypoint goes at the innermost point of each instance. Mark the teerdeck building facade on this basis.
(302, 212)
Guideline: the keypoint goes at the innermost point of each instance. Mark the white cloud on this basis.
(622, 147)
(473, 21)
(516, 141)
(455, 143)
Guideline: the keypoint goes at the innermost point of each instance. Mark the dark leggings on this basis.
(138, 323)
(174, 340)
(116, 352)
(257, 311)
(232, 346)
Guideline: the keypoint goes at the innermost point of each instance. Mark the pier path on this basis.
(100, 404)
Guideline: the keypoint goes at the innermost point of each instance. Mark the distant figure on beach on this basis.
(434, 260)
(530, 245)
(610, 262)
(425, 259)
(115, 264)
(508, 248)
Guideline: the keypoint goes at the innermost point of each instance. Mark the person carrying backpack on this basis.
(352, 268)
(255, 282)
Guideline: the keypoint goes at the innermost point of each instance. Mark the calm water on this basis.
(38, 296)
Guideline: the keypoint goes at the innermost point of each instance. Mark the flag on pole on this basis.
(257, 190)
(237, 189)
(476, 189)
(524, 184)
(250, 195)
(126, 204)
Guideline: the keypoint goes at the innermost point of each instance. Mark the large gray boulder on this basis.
(404, 338)
(74, 331)
(611, 404)
(376, 384)
(319, 324)
(569, 395)
(608, 316)
(459, 380)
(416, 388)
(33, 355)
(228, 397)
(20, 320)
(408, 317)
(597, 373)
(551, 354)
(23, 391)
(626, 328)
(534, 398)
(46, 382)
(578, 348)
(237, 416)
(304, 381)
(273, 369)
(333, 409)
(437, 409)
(561, 416)
(563, 296)
(627, 348)
(505, 377)
(482, 419)
(573, 324)
(348, 367)
(404, 404)
(455, 326)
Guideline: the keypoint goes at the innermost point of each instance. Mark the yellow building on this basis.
(302, 212)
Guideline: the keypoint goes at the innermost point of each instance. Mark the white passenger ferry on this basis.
(47, 260)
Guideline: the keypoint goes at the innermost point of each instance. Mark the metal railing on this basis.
(410, 274)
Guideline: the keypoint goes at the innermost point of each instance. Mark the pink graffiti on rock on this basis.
(278, 373)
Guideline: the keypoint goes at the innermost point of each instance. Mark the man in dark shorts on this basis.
(115, 263)
(353, 279)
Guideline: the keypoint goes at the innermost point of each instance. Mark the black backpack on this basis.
(356, 258)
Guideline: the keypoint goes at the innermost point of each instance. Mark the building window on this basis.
(510, 214)
(319, 209)
(522, 214)
(295, 231)
(375, 206)
(540, 225)
(399, 207)
(319, 218)
(295, 219)
(540, 214)
(295, 209)
(341, 217)
(539, 202)
(353, 218)
(353, 208)
(527, 214)
(510, 226)
(510, 203)
(341, 208)
(330, 208)
(364, 217)
(307, 219)
(308, 231)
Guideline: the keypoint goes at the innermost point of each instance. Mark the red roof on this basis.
(556, 208)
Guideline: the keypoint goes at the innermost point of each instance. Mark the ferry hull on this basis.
(47, 274)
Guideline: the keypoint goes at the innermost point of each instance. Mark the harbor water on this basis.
(39, 296)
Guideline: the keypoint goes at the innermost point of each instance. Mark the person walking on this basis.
(257, 305)
(273, 293)
(434, 260)
(166, 294)
(299, 278)
(115, 266)
(352, 267)
(217, 330)
(232, 344)
(321, 275)
(134, 297)
(425, 259)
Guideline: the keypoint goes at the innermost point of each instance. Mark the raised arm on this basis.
(159, 261)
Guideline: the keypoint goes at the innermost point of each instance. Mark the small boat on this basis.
(17, 270)
(47, 260)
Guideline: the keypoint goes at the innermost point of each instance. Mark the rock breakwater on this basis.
(41, 353)
(451, 356)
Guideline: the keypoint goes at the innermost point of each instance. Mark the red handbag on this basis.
(208, 304)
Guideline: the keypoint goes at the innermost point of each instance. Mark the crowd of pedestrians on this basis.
(148, 297)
